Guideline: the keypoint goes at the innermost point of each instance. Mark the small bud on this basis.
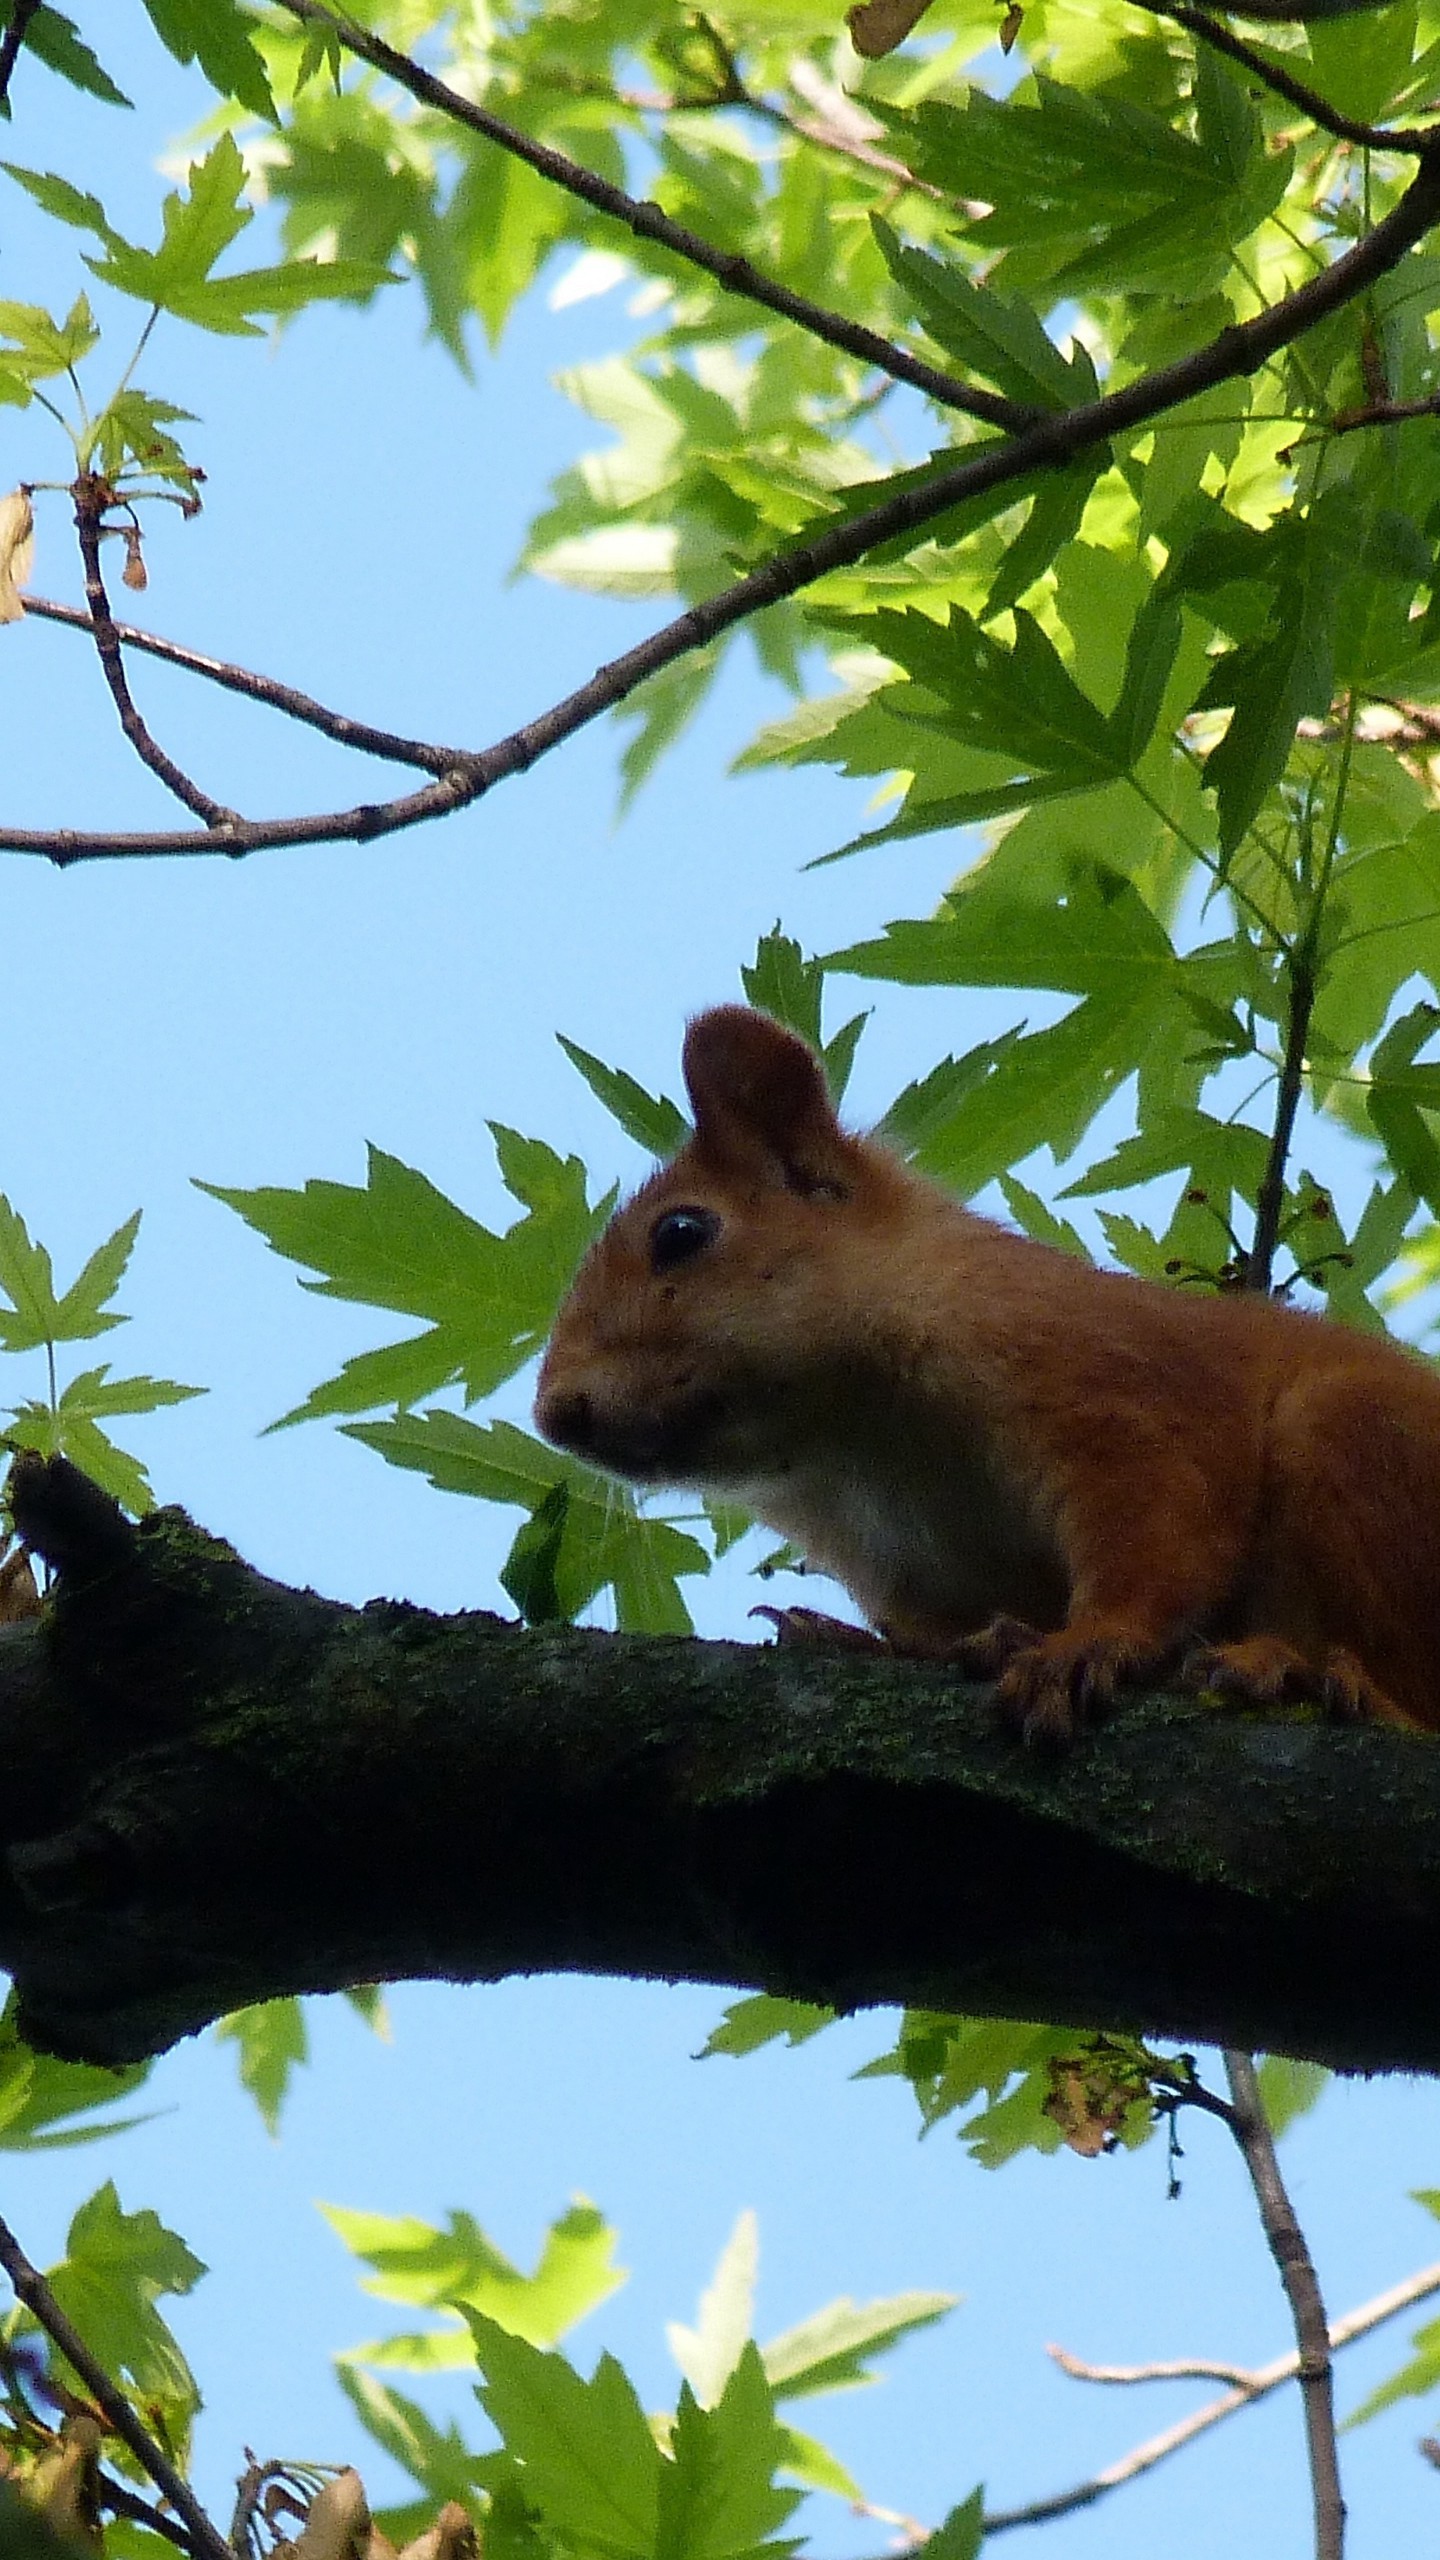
(134, 574)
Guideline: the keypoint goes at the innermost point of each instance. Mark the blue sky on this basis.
(258, 1022)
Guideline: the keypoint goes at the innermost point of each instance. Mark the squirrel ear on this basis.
(756, 1088)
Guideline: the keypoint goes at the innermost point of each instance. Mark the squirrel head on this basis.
(712, 1326)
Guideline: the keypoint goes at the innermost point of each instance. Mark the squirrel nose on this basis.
(567, 1420)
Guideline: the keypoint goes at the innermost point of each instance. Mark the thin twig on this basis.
(21, 13)
(1290, 2250)
(256, 688)
(1296, 93)
(123, 2502)
(816, 128)
(31, 2288)
(1265, 2379)
(1239, 2377)
(648, 223)
(1379, 413)
(997, 463)
(1304, 987)
(92, 496)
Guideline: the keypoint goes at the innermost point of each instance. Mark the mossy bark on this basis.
(214, 1789)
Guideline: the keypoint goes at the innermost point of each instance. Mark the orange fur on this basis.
(1063, 1475)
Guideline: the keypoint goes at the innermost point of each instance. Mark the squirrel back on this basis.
(1062, 1476)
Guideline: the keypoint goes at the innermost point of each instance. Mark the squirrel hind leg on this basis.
(1267, 1671)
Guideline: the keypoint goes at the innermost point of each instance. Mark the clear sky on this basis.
(258, 1022)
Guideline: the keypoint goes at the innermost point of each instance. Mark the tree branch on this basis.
(647, 222)
(1296, 93)
(213, 1784)
(93, 497)
(1254, 2386)
(1291, 2253)
(257, 688)
(998, 463)
(21, 13)
(31, 2288)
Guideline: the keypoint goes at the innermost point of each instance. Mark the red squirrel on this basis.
(1059, 1475)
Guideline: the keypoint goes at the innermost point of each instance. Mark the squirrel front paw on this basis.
(1053, 1688)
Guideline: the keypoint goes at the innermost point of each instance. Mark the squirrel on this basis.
(1062, 1478)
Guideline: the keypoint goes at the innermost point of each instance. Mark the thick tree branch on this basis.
(218, 1789)
(647, 222)
(997, 463)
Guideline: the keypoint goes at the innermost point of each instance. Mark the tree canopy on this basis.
(1046, 396)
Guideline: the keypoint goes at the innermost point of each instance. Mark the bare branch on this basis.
(647, 222)
(21, 13)
(1291, 2252)
(256, 688)
(1296, 93)
(997, 463)
(31, 2288)
(92, 498)
(1256, 2385)
(1176, 2369)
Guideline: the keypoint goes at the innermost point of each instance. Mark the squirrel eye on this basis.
(679, 1234)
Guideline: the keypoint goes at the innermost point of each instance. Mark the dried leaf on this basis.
(878, 26)
(451, 2537)
(19, 1594)
(338, 2524)
(17, 551)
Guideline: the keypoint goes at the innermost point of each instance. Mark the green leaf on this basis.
(1036, 1218)
(399, 1243)
(27, 1282)
(652, 1120)
(994, 332)
(783, 983)
(829, 2351)
(961, 2533)
(604, 1539)
(1397, 1095)
(591, 2465)
(1097, 939)
(117, 2266)
(709, 2353)
(717, 2494)
(38, 2094)
(273, 2042)
(438, 2458)
(41, 346)
(813, 2464)
(1289, 2090)
(529, 1571)
(761, 2019)
(1055, 517)
(63, 202)
(216, 35)
(458, 2267)
(55, 40)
